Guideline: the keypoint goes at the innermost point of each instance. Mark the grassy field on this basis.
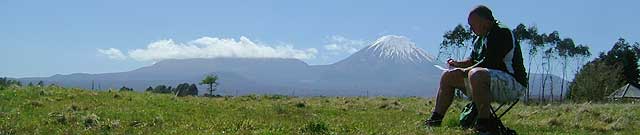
(53, 110)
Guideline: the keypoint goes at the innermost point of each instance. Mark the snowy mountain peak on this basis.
(390, 49)
(397, 48)
(393, 43)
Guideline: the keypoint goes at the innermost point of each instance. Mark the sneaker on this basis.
(434, 121)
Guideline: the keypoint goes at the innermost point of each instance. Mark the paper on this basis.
(437, 65)
(440, 67)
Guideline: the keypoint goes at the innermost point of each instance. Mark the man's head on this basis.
(481, 20)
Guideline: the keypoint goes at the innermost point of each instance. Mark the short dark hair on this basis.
(483, 11)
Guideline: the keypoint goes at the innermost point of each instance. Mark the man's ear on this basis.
(486, 25)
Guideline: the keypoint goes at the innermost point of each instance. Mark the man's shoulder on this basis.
(502, 30)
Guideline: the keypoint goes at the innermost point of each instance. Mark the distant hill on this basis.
(536, 86)
(391, 66)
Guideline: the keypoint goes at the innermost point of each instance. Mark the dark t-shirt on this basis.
(498, 50)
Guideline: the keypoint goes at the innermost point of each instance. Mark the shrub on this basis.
(316, 127)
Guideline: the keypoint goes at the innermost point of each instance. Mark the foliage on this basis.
(611, 70)
(595, 81)
(627, 55)
(126, 89)
(456, 41)
(210, 80)
(553, 47)
(6, 82)
(160, 89)
(186, 89)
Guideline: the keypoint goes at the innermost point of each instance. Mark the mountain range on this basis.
(391, 66)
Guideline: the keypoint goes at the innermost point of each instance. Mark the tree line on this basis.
(184, 89)
(6, 82)
(606, 73)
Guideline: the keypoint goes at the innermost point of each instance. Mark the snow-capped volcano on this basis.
(391, 63)
(390, 49)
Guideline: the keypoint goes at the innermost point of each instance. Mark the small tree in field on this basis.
(210, 80)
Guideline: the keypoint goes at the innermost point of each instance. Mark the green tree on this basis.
(536, 42)
(565, 49)
(40, 83)
(623, 51)
(522, 33)
(150, 89)
(124, 88)
(581, 53)
(611, 70)
(186, 89)
(595, 80)
(162, 89)
(6, 82)
(210, 80)
(193, 90)
(551, 41)
(455, 41)
(578, 53)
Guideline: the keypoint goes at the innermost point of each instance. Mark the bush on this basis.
(186, 89)
(595, 81)
(91, 120)
(316, 127)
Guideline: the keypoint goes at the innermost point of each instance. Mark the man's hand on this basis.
(459, 64)
(453, 63)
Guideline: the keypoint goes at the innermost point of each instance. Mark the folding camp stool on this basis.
(503, 129)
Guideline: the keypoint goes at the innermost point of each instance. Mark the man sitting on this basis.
(494, 72)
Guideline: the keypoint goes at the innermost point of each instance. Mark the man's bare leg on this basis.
(448, 82)
(480, 80)
(480, 90)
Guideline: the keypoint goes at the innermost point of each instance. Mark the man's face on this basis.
(478, 24)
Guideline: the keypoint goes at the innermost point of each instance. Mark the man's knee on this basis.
(479, 75)
(451, 75)
(446, 75)
(452, 78)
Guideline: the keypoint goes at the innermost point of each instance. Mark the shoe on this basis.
(434, 121)
(487, 127)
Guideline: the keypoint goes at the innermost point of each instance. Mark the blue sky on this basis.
(43, 38)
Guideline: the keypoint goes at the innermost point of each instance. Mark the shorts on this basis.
(503, 87)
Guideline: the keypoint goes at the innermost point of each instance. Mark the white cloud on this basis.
(212, 47)
(113, 53)
(340, 44)
(337, 48)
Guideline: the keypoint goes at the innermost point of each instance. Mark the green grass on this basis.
(53, 110)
